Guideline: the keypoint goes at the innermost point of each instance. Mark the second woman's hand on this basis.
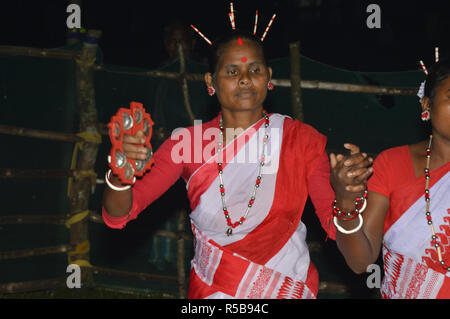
(349, 175)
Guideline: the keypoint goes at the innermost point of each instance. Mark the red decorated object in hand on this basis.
(129, 121)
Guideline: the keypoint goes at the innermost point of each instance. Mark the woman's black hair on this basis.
(222, 43)
(438, 73)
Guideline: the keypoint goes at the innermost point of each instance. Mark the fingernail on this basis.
(346, 163)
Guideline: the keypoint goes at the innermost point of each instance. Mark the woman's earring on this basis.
(270, 86)
(211, 91)
(425, 116)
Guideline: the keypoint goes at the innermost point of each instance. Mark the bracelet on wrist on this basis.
(360, 206)
(351, 231)
(114, 187)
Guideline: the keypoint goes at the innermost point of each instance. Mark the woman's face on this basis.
(241, 77)
(440, 110)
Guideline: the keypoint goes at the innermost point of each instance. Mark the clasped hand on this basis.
(349, 173)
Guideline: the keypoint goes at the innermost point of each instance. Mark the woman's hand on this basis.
(119, 203)
(349, 173)
(133, 146)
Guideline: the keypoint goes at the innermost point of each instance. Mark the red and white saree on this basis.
(411, 263)
(266, 256)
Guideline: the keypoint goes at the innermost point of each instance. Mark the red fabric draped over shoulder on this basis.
(302, 146)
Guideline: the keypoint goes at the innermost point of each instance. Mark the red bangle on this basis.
(342, 215)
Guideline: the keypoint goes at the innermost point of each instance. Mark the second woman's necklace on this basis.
(231, 224)
(434, 238)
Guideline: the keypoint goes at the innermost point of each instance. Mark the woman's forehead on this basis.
(240, 50)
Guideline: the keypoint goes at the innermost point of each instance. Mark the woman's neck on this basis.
(238, 121)
(241, 119)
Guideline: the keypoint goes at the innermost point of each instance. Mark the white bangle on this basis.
(364, 206)
(116, 188)
(344, 231)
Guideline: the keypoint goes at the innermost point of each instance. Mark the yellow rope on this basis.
(86, 62)
(77, 218)
(80, 249)
(81, 262)
(89, 137)
(84, 247)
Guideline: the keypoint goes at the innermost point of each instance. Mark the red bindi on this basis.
(240, 41)
(244, 59)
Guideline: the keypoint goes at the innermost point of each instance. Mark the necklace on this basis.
(434, 240)
(230, 224)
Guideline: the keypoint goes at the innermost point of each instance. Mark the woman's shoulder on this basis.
(395, 153)
(304, 137)
(301, 127)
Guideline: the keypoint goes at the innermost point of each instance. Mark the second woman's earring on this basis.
(425, 116)
(270, 86)
(211, 91)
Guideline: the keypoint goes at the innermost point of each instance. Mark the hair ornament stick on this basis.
(423, 67)
(233, 25)
(231, 19)
(256, 23)
(268, 27)
(201, 34)
(436, 54)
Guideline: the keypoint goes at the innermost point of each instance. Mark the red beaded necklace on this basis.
(230, 224)
(434, 240)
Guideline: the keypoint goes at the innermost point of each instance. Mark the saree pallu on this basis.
(411, 264)
(267, 256)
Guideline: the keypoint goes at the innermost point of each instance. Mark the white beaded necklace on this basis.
(230, 224)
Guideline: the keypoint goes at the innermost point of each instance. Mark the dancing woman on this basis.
(246, 214)
(408, 206)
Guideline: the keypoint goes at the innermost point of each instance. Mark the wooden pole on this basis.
(36, 173)
(349, 88)
(35, 285)
(32, 219)
(81, 188)
(154, 74)
(184, 85)
(304, 84)
(296, 90)
(332, 287)
(4, 255)
(39, 53)
(132, 275)
(45, 135)
(181, 255)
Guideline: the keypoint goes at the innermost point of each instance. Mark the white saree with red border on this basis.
(411, 265)
(267, 256)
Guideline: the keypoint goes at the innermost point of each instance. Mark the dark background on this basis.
(331, 31)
